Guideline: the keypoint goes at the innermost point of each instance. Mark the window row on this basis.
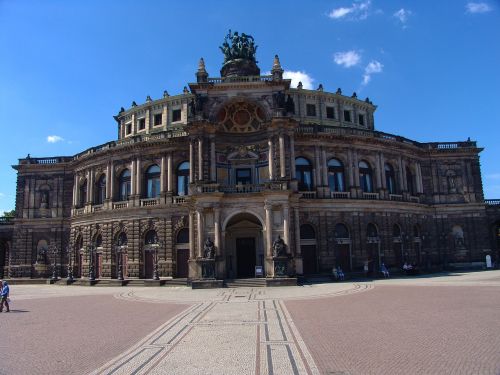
(151, 185)
(157, 121)
(336, 176)
(330, 114)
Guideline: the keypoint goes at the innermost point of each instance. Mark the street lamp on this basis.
(91, 249)
(120, 248)
(53, 249)
(153, 245)
(70, 252)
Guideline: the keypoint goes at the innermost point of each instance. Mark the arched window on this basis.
(307, 232)
(153, 181)
(100, 190)
(183, 236)
(396, 231)
(151, 237)
(122, 239)
(336, 175)
(341, 231)
(98, 241)
(390, 180)
(82, 193)
(365, 177)
(303, 172)
(183, 178)
(409, 181)
(371, 230)
(416, 231)
(124, 185)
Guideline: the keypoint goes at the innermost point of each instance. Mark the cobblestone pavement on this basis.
(425, 325)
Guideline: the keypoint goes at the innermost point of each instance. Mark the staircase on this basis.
(245, 283)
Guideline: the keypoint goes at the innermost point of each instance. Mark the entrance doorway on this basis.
(182, 263)
(245, 257)
(309, 259)
(148, 264)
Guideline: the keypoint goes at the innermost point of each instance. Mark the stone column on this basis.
(325, 167)
(148, 120)
(191, 161)
(112, 182)
(199, 218)
(169, 173)
(382, 170)
(200, 159)
(163, 174)
(133, 190)
(271, 159)
(297, 231)
(286, 227)
(317, 167)
(108, 185)
(213, 170)
(403, 174)
(378, 172)
(269, 230)
(356, 168)
(191, 236)
(164, 117)
(292, 156)
(350, 166)
(75, 190)
(217, 230)
(90, 187)
(138, 177)
(420, 185)
(401, 183)
(282, 156)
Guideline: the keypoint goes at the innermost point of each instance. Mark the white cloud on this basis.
(298, 76)
(357, 11)
(347, 58)
(54, 139)
(373, 67)
(478, 8)
(402, 15)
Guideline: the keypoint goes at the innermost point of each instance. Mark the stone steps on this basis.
(245, 283)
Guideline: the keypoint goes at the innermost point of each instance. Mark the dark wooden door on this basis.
(245, 257)
(98, 265)
(309, 259)
(148, 265)
(343, 259)
(182, 263)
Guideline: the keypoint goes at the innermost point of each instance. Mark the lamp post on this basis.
(91, 249)
(53, 249)
(120, 248)
(153, 245)
(70, 252)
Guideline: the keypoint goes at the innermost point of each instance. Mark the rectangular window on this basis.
(311, 110)
(142, 123)
(157, 119)
(347, 116)
(330, 113)
(243, 176)
(128, 129)
(361, 119)
(176, 115)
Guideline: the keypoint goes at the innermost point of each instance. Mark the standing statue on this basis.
(209, 249)
(279, 247)
(290, 105)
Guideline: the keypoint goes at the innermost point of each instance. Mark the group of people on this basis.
(4, 296)
(338, 274)
(410, 269)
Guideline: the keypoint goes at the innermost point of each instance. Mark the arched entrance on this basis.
(182, 247)
(244, 247)
(308, 249)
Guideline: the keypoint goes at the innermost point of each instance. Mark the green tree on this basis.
(11, 213)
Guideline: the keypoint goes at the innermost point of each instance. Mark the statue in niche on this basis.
(279, 99)
(279, 247)
(44, 199)
(209, 249)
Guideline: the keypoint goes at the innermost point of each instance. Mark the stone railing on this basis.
(120, 205)
(241, 189)
(492, 202)
(97, 207)
(46, 161)
(6, 220)
(358, 131)
(179, 199)
(396, 197)
(340, 194)
(308, 194)
(150, 202)
(79, 211)
(240, 79)
(370, 195)
(414, 199)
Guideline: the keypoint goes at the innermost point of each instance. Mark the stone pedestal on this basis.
(280, 266)
(41, 270)
(207, 268)
(207, 273)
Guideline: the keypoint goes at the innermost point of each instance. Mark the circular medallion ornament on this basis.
(241, 117)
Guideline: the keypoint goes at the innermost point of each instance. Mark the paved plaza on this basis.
(441, 324)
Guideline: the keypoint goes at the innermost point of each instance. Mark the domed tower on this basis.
(239, 56)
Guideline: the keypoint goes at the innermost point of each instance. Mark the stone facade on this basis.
(242, 160)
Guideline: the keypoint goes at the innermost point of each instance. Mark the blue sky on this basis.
(66, 67)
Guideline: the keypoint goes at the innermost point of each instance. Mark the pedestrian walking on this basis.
(4, 296)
